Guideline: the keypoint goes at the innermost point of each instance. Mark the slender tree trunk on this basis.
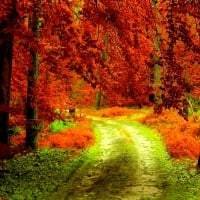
(32, 127)
(157, 68)
(98, 100)
(104, 59)
(31, 106)
(157, 86)
(198, 163)
(6, 49)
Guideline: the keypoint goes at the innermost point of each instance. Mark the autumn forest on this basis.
(66, 63)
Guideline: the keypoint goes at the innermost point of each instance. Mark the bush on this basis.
(72, 138)
(180, 136)
(59, 125)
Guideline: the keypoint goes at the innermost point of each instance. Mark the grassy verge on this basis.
(35, 175)
(180, 137)
(90, 156)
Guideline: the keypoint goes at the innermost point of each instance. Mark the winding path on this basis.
(126, 168)
(143, 183)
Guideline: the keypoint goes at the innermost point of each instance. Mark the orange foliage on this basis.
(9, 151)
(18, 139)
(112, 112)
(73, 138)
(180, 136)
(116, 111)
(167, 117)
(86, 111)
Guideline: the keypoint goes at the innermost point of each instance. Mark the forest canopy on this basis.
(60, 55)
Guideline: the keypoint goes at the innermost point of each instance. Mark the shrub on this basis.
(59, 125)
(76, 137)
(180, 136)
(72, 138)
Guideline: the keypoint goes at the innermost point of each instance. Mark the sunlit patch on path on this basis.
(146, 185)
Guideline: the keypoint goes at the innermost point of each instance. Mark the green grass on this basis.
(59, 125)
(36, 175)
(176, 180)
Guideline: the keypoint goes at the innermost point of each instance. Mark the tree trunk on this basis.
(157, 69)
(157, 86)
(32, 126)
(31, 106)
(6, 49)
(198, 163)
(98, 100)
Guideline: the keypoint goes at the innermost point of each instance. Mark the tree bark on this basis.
(198, 163)
(98, 100)
(157, 72)
(6, 49)
(32, 126)
(31, 105)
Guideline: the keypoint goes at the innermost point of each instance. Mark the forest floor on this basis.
(129, 162)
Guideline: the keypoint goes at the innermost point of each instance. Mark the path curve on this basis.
(125, 168)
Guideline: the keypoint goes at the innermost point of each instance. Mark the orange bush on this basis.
(180, 136)
(72, 138)
(167, 117)
(116, 111)
(69, 139)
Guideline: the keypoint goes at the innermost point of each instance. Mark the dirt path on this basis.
(126, 167)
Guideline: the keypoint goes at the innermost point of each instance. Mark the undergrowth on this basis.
(112, 112)
(181, 137)
(90, 156)
(70, 136)
(37, 174)
(59, 125)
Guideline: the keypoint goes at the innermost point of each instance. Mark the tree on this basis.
(180, 53)
(64, 47)
(32, 126)
(127, 50)
(155, 64)
(7, 25)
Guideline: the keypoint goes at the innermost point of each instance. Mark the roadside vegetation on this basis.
(65, 146)
(34, 174)
(181, 137)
